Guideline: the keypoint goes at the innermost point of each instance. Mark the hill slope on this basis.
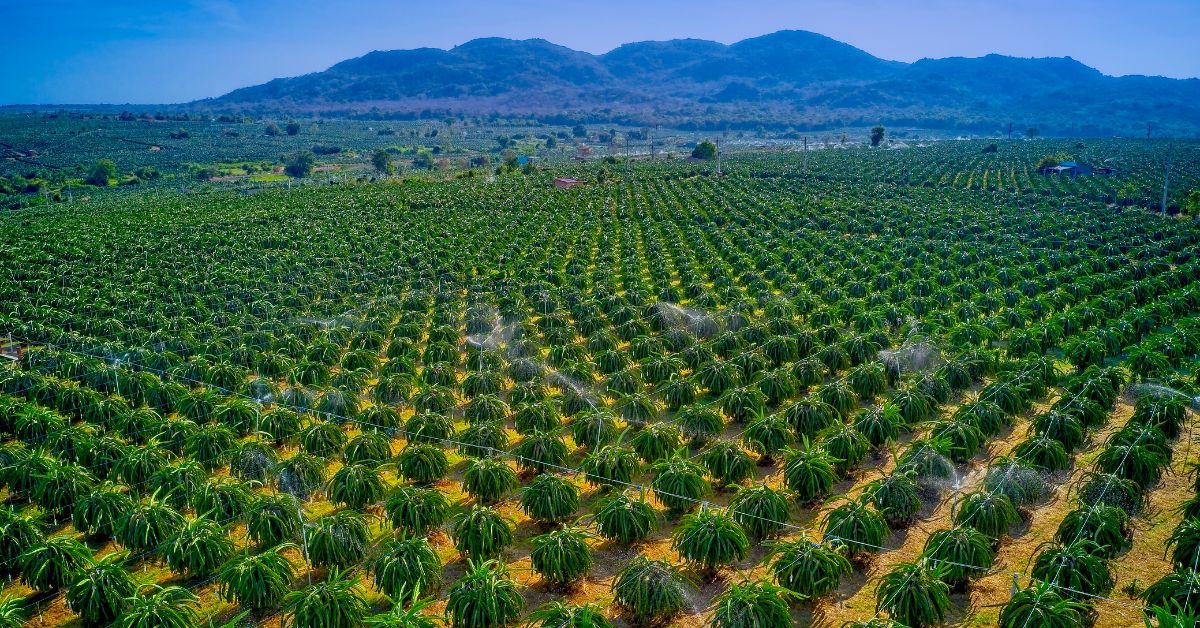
(788, 78)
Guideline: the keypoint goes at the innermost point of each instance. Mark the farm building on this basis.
(566, 183)
(1076, 168)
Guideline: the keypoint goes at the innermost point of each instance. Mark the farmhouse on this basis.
(566, 183)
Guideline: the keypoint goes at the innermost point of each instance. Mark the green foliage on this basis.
(1106, 526)
(679, 483)
(98, 512)
(405, 565)
(711, 539)
(756, 604)
(561, 556)
(101, 592)
(914, 595)
(484, 597)
(299, 164)
(877, 132)
(760, 510)
(1079, 567)
(101, 173)
(857, 525)
(656, 441)
(809, 472)
(990, 513)
(1177, 590)
(480, 533)
(959, 554)
(649, 590)
(336, 602)
(489, 479)
(1042, 605)
(625, 520)
(163, 607)
(896, 497)
(199, 548)
(273, 519)
(550, 498)
(560, 615)
(417, 510)
(727, 463)
(422, 463)
(610, 465)
(355, 486)
(148, 525)
(809, 569)
(338, 540)
(257, 581)
(705, 150)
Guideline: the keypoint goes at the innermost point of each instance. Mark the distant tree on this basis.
(102, 171)
(293, 128)
(272, 129)
(424, 159)
(991, 148)
(148, 173)
(579, 131)
(382, 160)
(504, 141)
(299, 164)
(705, 150)
(181, 134)
(206, 173)
(551, 142)
(1032, 132)
(877, 135)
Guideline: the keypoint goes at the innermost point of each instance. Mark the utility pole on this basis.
(718, 145)
(1010, 131)
(805, 155)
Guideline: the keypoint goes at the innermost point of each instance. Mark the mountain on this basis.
(785, 79)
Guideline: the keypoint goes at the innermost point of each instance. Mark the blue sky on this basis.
(77, 51)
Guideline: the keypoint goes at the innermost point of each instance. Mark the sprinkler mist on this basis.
(697, 322)
(1148, 389)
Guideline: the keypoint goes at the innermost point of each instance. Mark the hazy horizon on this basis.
(138, 52)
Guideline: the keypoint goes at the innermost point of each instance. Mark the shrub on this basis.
(561, 556)
(760, 510)
(727, 463)
(1079, 567)
(649, 590)
(959, 554)
(1042, 605)
(625, 520)
(757, 604)
(416, 510)
(679, 483)
(489, 479)
(809, 472)
(550, 499)
(406, 565)
(337, 602)
(860, 527)
(257, 581)
(913, 595)
(990, 513)
(483, 597)
(480, 533)
(807, 568)
(711, 539)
